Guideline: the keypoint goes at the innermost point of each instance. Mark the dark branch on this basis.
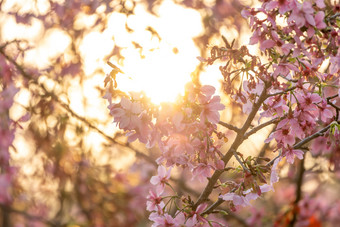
(237, 142)
(229, 126)
(261, 126)
(311, 137)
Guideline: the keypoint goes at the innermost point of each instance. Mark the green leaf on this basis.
(223, 212)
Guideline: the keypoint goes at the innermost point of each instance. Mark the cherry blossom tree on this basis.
(194, 163)
(293, 83)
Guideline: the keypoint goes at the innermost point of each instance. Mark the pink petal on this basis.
(201, 208)
(320, 3)
(286, 48)
(154, 180)
(267, 44)
(298, 154)
(213, 117)
(282, 123)
(310, 32)
(125, 103)
(320, 24)
(238, 200)
(208, 90)
(310, 19)
(315, 98)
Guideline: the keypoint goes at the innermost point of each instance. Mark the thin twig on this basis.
(261, 126)
(282, 92)
(240, 161)
(311, 137)
(229, 126)
(273, 160)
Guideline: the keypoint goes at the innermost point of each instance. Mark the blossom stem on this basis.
(240, 161)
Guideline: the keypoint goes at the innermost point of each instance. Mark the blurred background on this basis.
(68, 164)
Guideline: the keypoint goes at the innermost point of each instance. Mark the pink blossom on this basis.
(325, 112)
(165, 220)
(202, 171)
(274, 176)
(236, 199)
(284, 68)
(267, 44)
(245, 13)
(142, 129)
(290, 154)
(320, 3)
(196, 216)
(307, 101)
(210, 110)
(282, 5)
(292, 122)
(320, 145)
(162, 178)
(126, 113)
(248, 195)
(206, 92)
(287, 47)
(155, 202)
(275, 106)
(256, 37)
(180, 144)
(302, 14)
(319, 17)
(283, 136)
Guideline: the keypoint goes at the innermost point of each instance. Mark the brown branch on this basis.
(282, 92)
(261, 126)
(298, 192)
(311, 137)
(237, 142)
(229, 126)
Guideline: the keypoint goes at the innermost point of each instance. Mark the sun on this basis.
(163, 66)
(161, 74)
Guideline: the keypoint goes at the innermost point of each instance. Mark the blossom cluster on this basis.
(288, 85)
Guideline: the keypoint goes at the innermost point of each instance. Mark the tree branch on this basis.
(237, 142)
(261, 126)
(298, 191)
(229, 126)
(311, 137)
(282, 92)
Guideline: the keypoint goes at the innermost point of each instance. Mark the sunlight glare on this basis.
(164, 68)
